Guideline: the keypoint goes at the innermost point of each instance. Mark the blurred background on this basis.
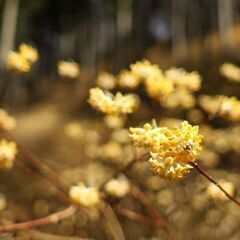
(110, 34)
(56, 122)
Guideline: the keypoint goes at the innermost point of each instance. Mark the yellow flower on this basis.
(86, 196)
(6, 122)
(28, 52)
(225, 107)
(158, 87)
(127, 79)
(113, 104)
(117, 187)
(106, 81)
(8, 151)
(17, 63)
(181, 78)
(181, 97)
(230, 71)
(144, 70)
(168, 168)
(171, 149)
(68, 69)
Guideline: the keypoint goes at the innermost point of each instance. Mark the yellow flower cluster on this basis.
(230, 71)
(22, 61)
(159, 87)
(113, 104)
(127, 79)
(225, 107)
(8, 151)
(181, 78)
(181, 97)
(117, 187)
(171, 149)
(6, 122)
(144, 69)
(86, 196)
(172, 88)
(68, 69)
(106, 80)
(28, 52)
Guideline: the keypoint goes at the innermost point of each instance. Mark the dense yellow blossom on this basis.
(106, 80)
(17, 63)
(117, 187)
(28, 52)
(168, 168)
(8, 151)
(230, 71)
(158, 87)
(113, 104)
(144, 69)
(68, 69)
(171, 149)
(86, 196)
(181, 78)
(226, 107)
(127, 79)
(6, 122)
(181, 97)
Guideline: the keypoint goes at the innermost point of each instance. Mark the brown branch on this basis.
(37, 162)
(205, 174)
(44, 182)
(50, 219)
(36, 235)
(142, 198)
(139, 217)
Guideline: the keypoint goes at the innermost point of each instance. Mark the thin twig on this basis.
(205, 174)
(44, 182)
(36, 235)
(38, 163)
(50, 219)
(142, 198)
(139, 217)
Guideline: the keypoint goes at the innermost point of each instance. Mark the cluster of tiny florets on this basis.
(171, 149)
(6, 122)
(86, 196)
(128, 80)
(118, 187)
(21, 62)
(8, 151)
(223, 106)
(181, 78)
(68, 69)
(106, 81)
(108, 103)
(230, 71)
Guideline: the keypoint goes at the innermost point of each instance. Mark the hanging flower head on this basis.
(8, 151)
(17, 63)
(108, 103)
(171, 149)
(86, 196)
(68, 69)
(28, 52)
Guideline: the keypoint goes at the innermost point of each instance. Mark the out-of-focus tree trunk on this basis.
(9, 23)
(225, 20)
(124, 17)
(179, 30)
